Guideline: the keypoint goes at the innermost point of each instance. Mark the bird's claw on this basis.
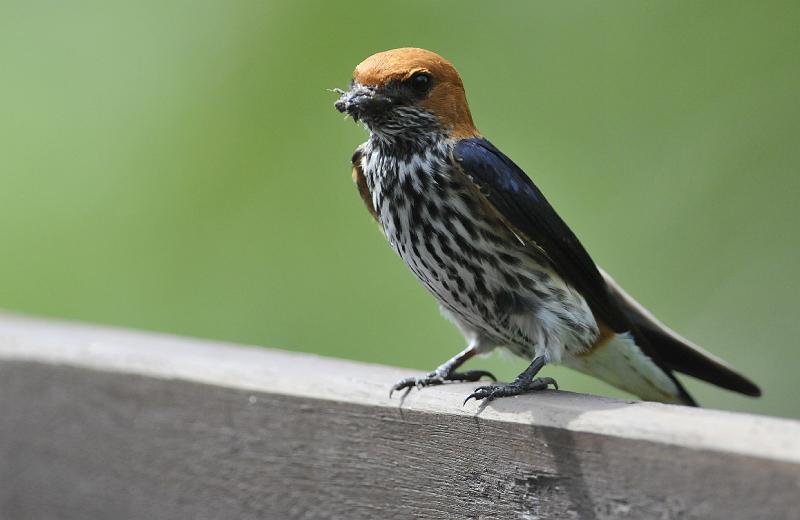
(435, 378)
(408, 383)
(490, 392)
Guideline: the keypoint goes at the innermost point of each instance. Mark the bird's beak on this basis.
(361, 101)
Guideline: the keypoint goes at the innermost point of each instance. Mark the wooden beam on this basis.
(106, 423)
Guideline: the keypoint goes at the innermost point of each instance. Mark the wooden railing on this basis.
(98, 423)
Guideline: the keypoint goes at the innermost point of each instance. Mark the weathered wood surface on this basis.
(100, 423)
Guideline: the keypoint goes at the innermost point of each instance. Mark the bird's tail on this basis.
(621, 363)
(676, 352)
(619, 360)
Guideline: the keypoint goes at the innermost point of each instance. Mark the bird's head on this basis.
(408, 92)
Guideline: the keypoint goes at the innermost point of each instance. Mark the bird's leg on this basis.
(525, 382)
(445, 372)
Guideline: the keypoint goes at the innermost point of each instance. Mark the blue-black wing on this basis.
(523, 207)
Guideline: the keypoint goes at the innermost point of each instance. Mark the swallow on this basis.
(485, 242)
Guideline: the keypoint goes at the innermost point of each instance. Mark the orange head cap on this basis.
(408, 90)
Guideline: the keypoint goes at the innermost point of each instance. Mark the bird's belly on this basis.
(483, 275)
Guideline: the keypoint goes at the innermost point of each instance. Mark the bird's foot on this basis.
(437, 378)
(516, 388)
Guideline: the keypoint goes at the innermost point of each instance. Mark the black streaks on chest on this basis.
(435, 223)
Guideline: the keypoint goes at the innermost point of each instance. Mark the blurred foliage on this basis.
(178, 166)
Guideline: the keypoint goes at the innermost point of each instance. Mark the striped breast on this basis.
(477, 269)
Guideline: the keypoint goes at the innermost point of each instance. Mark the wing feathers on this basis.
(519, 203)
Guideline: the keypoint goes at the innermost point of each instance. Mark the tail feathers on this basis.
(621, 363)
(684, 356)
(678, 353)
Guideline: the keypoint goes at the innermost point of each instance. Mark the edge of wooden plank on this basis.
(273, 371)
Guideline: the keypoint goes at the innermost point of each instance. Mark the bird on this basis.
(484, 241)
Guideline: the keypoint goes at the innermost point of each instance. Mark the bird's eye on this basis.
(421, 83)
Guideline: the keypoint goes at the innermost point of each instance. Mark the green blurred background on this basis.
(179, 166)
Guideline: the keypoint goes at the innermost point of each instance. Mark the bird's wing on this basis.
(523, 208)
(678, 353)
(518, 203)
(361, 184)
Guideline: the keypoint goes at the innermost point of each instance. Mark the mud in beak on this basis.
(361, 102)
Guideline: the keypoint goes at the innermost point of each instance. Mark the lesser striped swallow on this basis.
(481, 237)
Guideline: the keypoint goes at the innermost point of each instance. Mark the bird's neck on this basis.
(407, 148)
(406, 130)
(405, 144)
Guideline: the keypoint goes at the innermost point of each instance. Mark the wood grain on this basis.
(102, 423)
